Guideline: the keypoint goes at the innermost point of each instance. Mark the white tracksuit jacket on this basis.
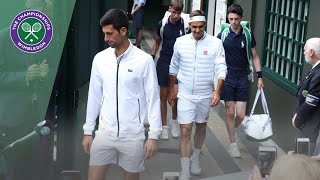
(197, 64)
(122, 91)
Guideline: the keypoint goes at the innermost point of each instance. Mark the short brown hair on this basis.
(115, 17)
(236, 9)
(177, 5)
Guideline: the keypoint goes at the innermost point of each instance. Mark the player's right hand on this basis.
(86, 143)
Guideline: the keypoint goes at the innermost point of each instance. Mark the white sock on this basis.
(196, 152)
(236, 134)
(165, 127)
(173, 121)
(185, 164)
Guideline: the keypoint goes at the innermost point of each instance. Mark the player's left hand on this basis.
(215, 98)
(150, 148)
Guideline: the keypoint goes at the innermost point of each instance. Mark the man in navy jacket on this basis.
(307, 115)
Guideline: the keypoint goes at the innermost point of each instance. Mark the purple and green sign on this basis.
(31, 31)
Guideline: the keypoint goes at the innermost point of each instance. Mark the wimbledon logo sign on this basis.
(31, 31)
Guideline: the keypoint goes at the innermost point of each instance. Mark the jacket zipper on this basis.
(139, 111)
(194, 67)
(102, 100)
(100, 116)
(118, 97)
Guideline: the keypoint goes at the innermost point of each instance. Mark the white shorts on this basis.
(126, 153)
(193, 110)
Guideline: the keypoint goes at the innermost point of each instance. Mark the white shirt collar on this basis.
(316, 64)
(124, 53)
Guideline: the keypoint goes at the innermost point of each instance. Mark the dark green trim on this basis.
(280, 80)
(285, 37)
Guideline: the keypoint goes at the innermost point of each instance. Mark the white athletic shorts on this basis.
(126, 153)
(193, 110)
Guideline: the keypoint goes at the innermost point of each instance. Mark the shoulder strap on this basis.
(224, 30)
(164, 22)
(263, 101)
(248, 47)
(255, 102)
(248, 39)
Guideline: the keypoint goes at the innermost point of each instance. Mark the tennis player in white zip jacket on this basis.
(197, 58)
(123, 89)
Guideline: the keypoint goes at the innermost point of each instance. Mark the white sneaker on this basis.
(195, 168)
(237, 140)
(184, 176)
(175, 129)
(164, 133)
(234, 150)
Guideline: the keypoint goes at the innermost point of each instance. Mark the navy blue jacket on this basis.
(308, 107)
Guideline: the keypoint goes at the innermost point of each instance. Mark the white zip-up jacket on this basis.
(197, 63)
(122, 91)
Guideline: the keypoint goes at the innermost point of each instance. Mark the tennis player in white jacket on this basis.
(197, 59)
(123, 89)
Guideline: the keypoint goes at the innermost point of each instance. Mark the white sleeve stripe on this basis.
(310, 104)
(311, 101)
(312, 96)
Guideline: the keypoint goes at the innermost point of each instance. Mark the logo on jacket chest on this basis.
(205, 52)
(242, 44)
